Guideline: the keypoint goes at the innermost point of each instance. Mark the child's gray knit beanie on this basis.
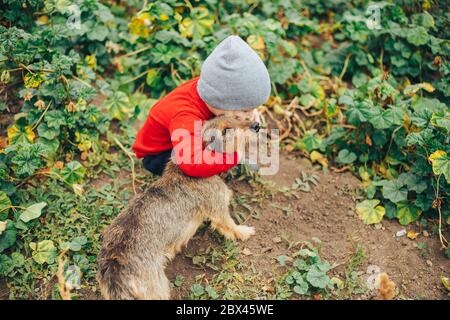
(234, 77)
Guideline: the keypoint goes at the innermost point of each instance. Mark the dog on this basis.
(159, 222)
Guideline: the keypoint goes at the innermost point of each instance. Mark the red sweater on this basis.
(179, 109)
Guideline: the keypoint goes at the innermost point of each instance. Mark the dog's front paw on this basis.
(244, 232)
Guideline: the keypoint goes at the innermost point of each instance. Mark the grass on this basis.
(68, 216)
(233, 278)
(353, 283)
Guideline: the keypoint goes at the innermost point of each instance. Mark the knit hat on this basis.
(234, 77)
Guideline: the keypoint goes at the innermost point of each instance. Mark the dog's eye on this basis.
(226, 131)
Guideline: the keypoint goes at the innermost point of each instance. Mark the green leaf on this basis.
(32, 212)
(370, 212)
(307, 253)
(8, 264)
(98, 32)
(395, 115)
(197, 290)
(441, 120)
(309, 142)
(317, 278)
(77, 243)
(407, 213)
(323, 266)
(43, 251)
(441, 164)
(27, 160)
(282, 71)
(420, 138)
(301, 264)
(211, 292)
(73, 172)
(283, 259)
(8, 236)
(391, 210)
(118, 105)
(55, 119)
(301, 287)
(355, 116)
(46, 132)
(413, 182)
(5, 204)
(417, 36)
(152, 75)
(394, 191)
(382, 119)
(199, 24)
(346, 157)
(431, 105)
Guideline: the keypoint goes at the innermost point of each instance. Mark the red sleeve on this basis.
(191, 157)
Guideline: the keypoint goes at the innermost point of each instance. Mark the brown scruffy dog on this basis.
(159, 222)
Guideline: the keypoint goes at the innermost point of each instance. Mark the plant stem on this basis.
(132, 53)
(344, 69)
(42, 116)
(129, 155)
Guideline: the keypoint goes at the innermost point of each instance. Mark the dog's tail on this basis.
(113, 285)
(118, 282)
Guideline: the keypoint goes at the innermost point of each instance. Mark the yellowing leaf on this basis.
(118, 105)
(318, 157)
(141, 25)
(278, 109)
(256, 42)
(5, 77)
(407, 213)
(427, 86)
(437, 154)
(33, 80)
(2, 226)
(198, 24)
(152, 75)
(413, 88)
(43, 251)
(85, 145)
(16, 133)
(412, 235)
(77, 189)
(365, 176)
(446, 282)
(440, 163)
(163, 17)
(42, 20)
(426, 5)
(370, 212)
(91, 61)
(32, 212)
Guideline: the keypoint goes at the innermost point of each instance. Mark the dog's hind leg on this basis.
(151, 282)
(160, 288)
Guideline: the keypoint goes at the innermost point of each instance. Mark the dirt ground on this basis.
(327, 212)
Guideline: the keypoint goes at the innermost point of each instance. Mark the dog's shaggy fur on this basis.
(159, 222)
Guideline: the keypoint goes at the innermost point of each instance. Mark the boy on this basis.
(233, 80)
